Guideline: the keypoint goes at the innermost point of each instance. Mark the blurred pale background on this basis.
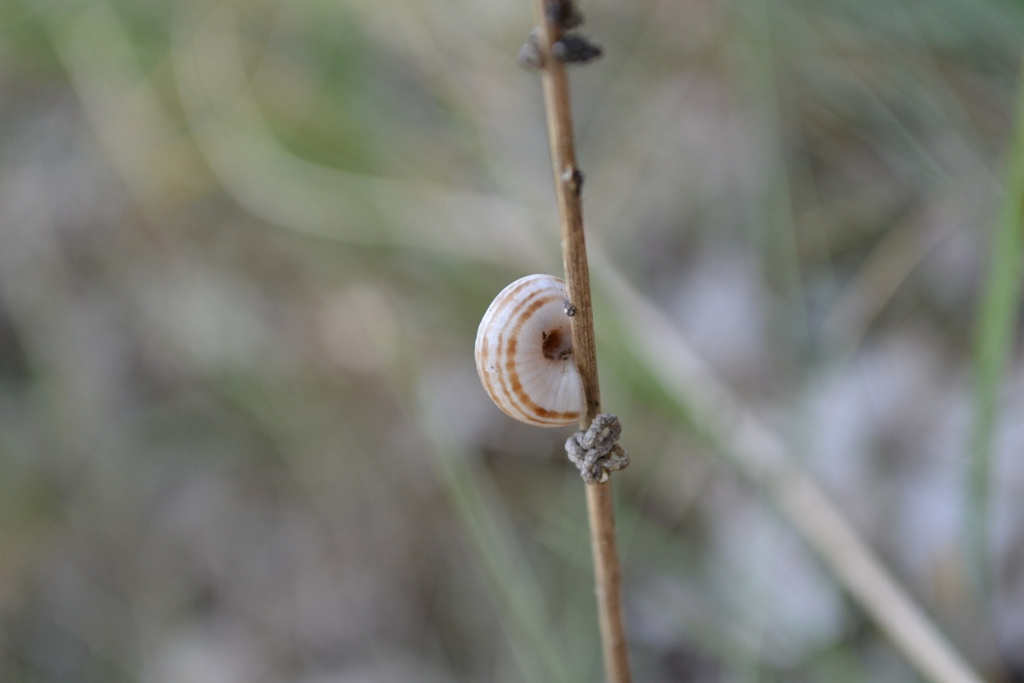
(244, 247)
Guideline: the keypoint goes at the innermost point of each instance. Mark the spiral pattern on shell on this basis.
(524, 354)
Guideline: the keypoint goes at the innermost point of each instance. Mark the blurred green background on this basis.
(244, 247)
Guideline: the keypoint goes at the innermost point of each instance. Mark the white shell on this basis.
(524, 354)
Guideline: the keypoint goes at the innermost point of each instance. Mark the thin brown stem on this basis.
(607, 582)
(568, 183)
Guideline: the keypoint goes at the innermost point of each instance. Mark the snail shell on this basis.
(524, 354)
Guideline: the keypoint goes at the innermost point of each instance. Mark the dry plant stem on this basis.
(607, 582)
(568, 180)
(570, 211)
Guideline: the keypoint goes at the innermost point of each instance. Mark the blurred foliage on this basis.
(244, 247)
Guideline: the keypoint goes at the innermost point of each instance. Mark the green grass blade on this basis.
(993, 348)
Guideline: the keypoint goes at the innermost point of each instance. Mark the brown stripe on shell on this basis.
(528, 405)
(511, 386)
